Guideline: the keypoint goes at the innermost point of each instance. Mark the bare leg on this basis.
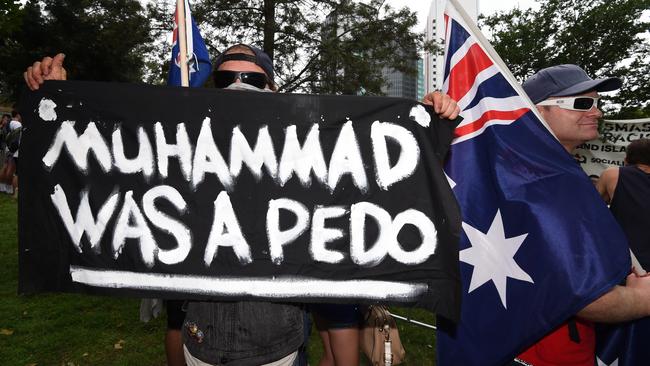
(340, 346)
(174, 348)
(14, 184)
(344, 343)
(327, 359)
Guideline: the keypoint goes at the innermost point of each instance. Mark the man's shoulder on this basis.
(610, 173)
(606, 184)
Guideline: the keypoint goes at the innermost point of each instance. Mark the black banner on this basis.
(200, 193)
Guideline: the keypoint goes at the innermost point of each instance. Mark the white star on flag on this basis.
(452, 184)
(492, 256)
(601, 363)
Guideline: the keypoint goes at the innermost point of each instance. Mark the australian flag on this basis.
(538, 243)
(197, 53)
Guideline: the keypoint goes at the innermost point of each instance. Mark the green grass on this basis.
(71, 329)
(67, 329)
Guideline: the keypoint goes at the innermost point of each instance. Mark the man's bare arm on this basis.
(621, 303)
(606, 184)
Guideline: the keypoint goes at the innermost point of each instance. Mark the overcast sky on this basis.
(421, 7)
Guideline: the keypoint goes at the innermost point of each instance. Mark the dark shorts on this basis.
(336, 316)
(175, 314)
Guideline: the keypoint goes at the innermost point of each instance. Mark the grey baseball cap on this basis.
(565, 80)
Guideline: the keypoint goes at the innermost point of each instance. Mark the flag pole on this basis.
(411, 321)
(182, 42)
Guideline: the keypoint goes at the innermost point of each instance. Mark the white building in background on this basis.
(435, 30)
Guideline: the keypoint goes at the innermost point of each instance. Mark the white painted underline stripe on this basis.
(279, 287)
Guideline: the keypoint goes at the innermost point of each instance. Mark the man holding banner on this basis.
(243, 67)
(208, 334)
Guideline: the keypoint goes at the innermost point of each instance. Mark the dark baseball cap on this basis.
(261, 59)
(565, 80)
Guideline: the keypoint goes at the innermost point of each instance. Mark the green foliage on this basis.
(357, 42)
(64, 329)
(319, 46)
(11, 16)
(635, 95)
(160, 15)
(599, 35)
(118, 40)
(102, 40)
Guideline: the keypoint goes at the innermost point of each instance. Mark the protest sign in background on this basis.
(609, 150)
(202, 193)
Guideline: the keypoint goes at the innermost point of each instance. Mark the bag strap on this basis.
(574, 335)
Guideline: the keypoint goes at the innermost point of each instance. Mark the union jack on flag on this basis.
(468, 72)
(538, 243)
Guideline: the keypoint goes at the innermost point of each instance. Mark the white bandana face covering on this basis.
(246, 87)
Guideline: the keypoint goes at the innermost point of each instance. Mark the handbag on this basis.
(380, 338)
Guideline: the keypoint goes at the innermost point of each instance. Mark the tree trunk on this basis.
(269, 27)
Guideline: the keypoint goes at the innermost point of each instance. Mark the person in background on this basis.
(4, 123)
(339, 324)
(627, 190)
(13, 145)
(338, 327)
(4, 131)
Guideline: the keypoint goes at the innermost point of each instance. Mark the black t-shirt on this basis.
(630, 208)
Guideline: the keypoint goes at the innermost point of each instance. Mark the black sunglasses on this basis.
(224, 78)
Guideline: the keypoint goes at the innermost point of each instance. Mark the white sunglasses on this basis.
(573, 103)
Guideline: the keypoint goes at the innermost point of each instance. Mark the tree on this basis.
(103, 40)
(634, 98)
(11, 18)
(160, 15)
(602, 36)
(322, 46)
(307, 38)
